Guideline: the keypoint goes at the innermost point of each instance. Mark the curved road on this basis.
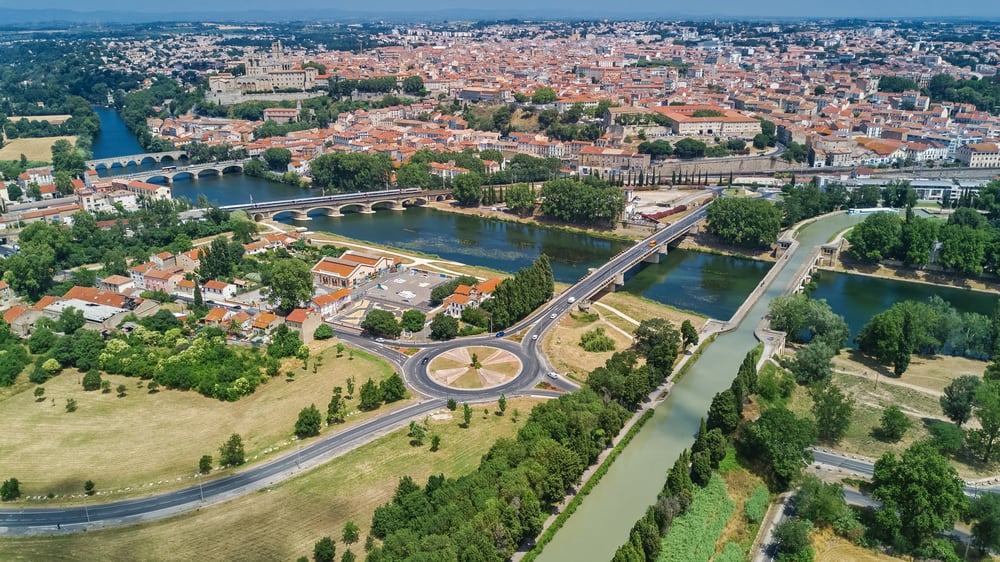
(534, 366)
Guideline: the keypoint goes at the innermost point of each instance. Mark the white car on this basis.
(553, 315)
(534, 337)
(571, 300)
(553, 375)
(379, 340)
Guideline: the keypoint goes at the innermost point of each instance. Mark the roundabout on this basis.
(474, 367)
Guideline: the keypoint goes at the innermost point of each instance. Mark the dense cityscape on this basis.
(520, 262)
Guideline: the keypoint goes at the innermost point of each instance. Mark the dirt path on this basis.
(892, 382)
(617, 312)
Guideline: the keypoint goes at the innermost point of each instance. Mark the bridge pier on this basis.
(652, 258)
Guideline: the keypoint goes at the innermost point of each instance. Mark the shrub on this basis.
(92, 380)
(596, 341)
(894, 424)
(324, 332)
(756, 504)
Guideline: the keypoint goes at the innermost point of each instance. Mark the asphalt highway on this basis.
(414, 371)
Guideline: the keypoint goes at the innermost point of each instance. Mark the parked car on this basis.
(553, 375)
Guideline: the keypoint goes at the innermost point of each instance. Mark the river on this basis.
(706, 284)
(857, 297)
(602, 522)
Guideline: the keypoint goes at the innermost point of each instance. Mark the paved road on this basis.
(866, 469)
(534, 368)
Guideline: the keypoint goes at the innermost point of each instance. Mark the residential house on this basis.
(304, 322)
(162, 280)
(116, 284)
(216, 317)
(264, 322)
(218, 290)
(331, 303)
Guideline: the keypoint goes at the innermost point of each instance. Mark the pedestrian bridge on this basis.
(337, 205)
(136, 160)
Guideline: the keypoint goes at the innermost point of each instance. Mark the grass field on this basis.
(283, 522)
(931, 373)
(832, 548)
(740, 484)
(151, 438)
(561, 344)
(33, 149)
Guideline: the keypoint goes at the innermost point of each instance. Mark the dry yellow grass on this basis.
(39, 149)
(831, 548)
(283, 522)
(931, 373)
(740, 484)
(142, 438)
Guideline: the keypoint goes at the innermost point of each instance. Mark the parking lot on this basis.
(410, 289)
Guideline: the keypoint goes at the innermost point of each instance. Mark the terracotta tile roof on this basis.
(93, 295)
(298, 316)
(13, 312)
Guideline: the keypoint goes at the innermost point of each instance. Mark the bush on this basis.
(308, 423)
(756, 504)
(10, 490)
(324, 332)
(948, 438)
(92, 380)
(205, 464)
(597, 341)
(894, 424)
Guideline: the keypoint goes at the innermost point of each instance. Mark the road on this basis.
(414, 370)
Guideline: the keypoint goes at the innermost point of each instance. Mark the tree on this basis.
(876, 238)
(701, 468)
(392, 388)
(413, 85)
(984, 511)
(812, 363)
(381, 323)
(88, 487)
(70, 405)
(921, 495)
(822, 503)
(689, 148)
(959, 396)
(371, 396)
(417, 432)
(982, 441)
(435, 442)
(413, 320)
(278, 158)
(92, 380)
(893, 424)
(205, 464)
(244, 231)
(744, 222)
(521, 198)
(323, 332)
(444, 327)
(833, 411)
(502, 403)
(466, 414)
(121, 389)
(291, 283)
(590, 202)
(468, 189)
(39, 393)
(308, 423)
(70, 320)
(689, 334)
(544, 95)
(351, 533)
(231, 453)
(724, 412)
(652, 333)
(780, 439)
(10, 490)
(792, 536)
(325, 550)
(336, 410)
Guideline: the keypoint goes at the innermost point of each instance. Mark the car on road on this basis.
(534, 337)
(501, 334)
(379, 340)
(652, 243)
(571, 300)
(553, 315)
(553, 375)
(425, 360)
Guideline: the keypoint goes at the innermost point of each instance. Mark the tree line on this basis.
(751, 223)
(967, 243)
(516, 297)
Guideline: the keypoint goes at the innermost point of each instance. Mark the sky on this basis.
(567, 8)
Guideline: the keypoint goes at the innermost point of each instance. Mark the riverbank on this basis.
(619, 234)
(845, 264)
